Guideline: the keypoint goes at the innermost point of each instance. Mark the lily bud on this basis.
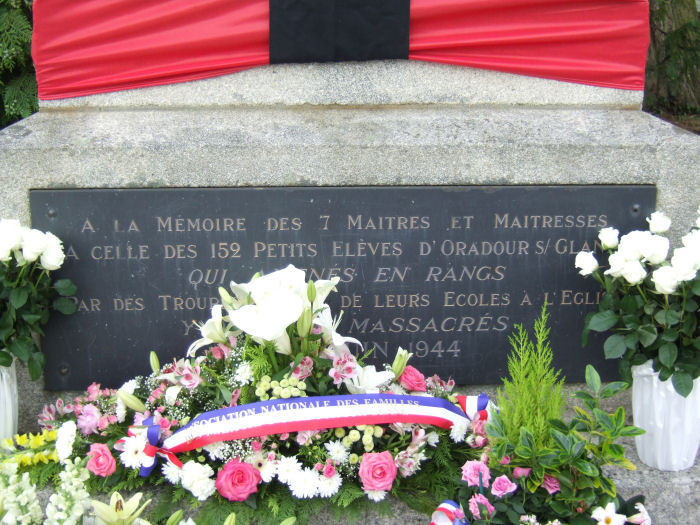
(304, 323)
(155, 364)
(311, 292)
(399, 364)
(230, 519)
(131, 401)
(175, 518)
(226, 298)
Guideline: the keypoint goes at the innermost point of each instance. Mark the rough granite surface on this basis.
(376, 123)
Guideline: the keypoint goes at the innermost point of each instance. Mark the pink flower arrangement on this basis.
(101, 462)
(412, 379)
(303, 369)
(502, 486)
(237, 480)
(471, 471)
(89, 419)
(474, 502)
(377, 470)
(550, 484)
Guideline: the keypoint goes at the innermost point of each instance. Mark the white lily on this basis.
(368, 380)
(213, 331)
(323, 288)
(119, 512)
(325, 321)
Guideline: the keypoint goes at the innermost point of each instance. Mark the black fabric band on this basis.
(338, 30)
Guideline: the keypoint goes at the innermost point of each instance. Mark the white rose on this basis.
(617, 263)
(665, 280)
(632, 244)
(692, 240)
(53, 256)
(33, 244)
(609, 238)
(196, 478)
(633, 272)
(586, 262)
(658, 222)
(685, 262)
(656, 249)
(11, 233)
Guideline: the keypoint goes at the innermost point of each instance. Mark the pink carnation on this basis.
(412, 379)
(474, 505)
(89, 419)
(471, 471)
(551, 484)
(502, 486)
(237, 480)
(377, 470)
(521, 472)
(101, 462)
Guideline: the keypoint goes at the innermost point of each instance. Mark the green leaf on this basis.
(603, 419)
(31, 318)
(21, 348)
(561, 440)
(665, 373)
(629, 304)
(577, 449)
(649, 308)
(64, 305)
(695, 286)
(631, 431)
(667, 317)
(608, 486)
(691, 305)
(668, 354)
(593, 378)
(647, 334)
(35, 365)
(65, 287)
(631, 340)
(603, 321)
(5, 358)
(18, 297)
(683, 383)
(613, 388)
(586, 467)
(614, 347)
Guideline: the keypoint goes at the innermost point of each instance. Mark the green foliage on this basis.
(532, 395)
(18, 92)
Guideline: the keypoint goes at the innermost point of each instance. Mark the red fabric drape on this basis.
(83, 47)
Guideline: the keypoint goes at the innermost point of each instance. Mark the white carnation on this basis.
(196, 477)
(376, 495)
(33, 244)
(665, 280)
(658, 222)
(458, 431)
(53, 256)
(609, 238)
(11, 232)
(656, 249)
(433, 438)
(586, 262)
(216, 451)
(64, 440)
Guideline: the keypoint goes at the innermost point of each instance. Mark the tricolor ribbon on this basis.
(448, 513)
(475, 406)
(152, 432)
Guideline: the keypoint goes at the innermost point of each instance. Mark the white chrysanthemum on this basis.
(244, 374)
(171, 472)
(133, 455)
(304, 484)
(287, 469)
(375, 495)
(328, 487)
(216, 451)
(433, 438)
(197, 478)
(64, 440)
(337, 451)
(458, 431)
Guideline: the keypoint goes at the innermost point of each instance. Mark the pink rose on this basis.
(89, 419)
(474, 505)
(521, 472)
(505, 460)
(502, 486)
(329, 470)
(471, 471)
(412, 379)
(101, 462)
(93, 391)
(377, 470)
(237, 480)
(550, 484)
(478, 427)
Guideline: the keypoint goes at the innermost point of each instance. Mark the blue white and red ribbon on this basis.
(312, 413)
(475, 407)
(448, 513)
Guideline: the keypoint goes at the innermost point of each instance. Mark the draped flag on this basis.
(97, 46)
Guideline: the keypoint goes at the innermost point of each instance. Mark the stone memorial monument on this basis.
(450, 201)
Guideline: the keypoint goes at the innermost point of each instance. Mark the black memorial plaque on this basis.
(444, 272)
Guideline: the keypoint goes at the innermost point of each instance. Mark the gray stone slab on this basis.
(368, 83)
